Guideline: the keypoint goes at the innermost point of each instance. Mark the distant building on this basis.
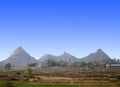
(112, 65)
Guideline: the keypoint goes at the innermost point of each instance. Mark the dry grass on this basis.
(71, 76)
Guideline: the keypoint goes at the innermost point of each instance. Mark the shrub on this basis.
(7, 84)
(118, 77)
(28, 71)
(118, 84)
(8, 66)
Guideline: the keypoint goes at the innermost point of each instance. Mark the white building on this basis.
(112, 65)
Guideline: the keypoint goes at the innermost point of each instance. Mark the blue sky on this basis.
(78, 27)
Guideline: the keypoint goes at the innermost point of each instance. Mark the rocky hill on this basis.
(19, 58)
(98, 56)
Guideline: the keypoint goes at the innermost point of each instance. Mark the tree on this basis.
(90, 65)
(79, 64)
(28, 71)
(8, 66)
(32, 64)
(51, 62)
(62, 63)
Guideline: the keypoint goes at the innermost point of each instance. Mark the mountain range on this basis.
(20, 58)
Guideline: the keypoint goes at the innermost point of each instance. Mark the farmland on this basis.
(64, 77)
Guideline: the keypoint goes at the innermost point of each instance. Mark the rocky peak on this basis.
(99, 51)
(99, 55)
(20, 57)
(46, 57)
(66, 57)
(66, 54)
(18, 50)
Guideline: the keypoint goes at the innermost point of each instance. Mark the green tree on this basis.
(28, 71)
(90, 65)
(32, 64)
(51, 62)
(8, 66)
(79, 64)
(62, 63)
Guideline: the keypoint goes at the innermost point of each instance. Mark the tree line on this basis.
(79, 64)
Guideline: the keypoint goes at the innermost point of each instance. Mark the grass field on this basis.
(73, 77)
(37, 85)
(97, 85)
(14, 84)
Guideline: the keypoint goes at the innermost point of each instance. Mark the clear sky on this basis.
(78, 27)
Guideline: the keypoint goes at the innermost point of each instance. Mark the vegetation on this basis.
(13, 84)
(28, 71)
(118, 77)
(114, 61)
(62, 64)
(8, 66)
(38, 85)
(78, 64)
(53, 63)
(96, 85)
(7, 84)
(32, 64)
(78, 76)
(89, 65)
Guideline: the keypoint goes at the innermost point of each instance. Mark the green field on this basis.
(99, 85)
(38, 85)
(14, 84)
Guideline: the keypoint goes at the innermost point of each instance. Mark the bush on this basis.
(7, 84)
(118, 84)
(28, 71)
(8, 66)
(118, 77)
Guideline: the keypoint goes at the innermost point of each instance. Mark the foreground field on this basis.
(64, 77)
(12, 84)
(37, 85)
(99, 85)
(95, 85)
